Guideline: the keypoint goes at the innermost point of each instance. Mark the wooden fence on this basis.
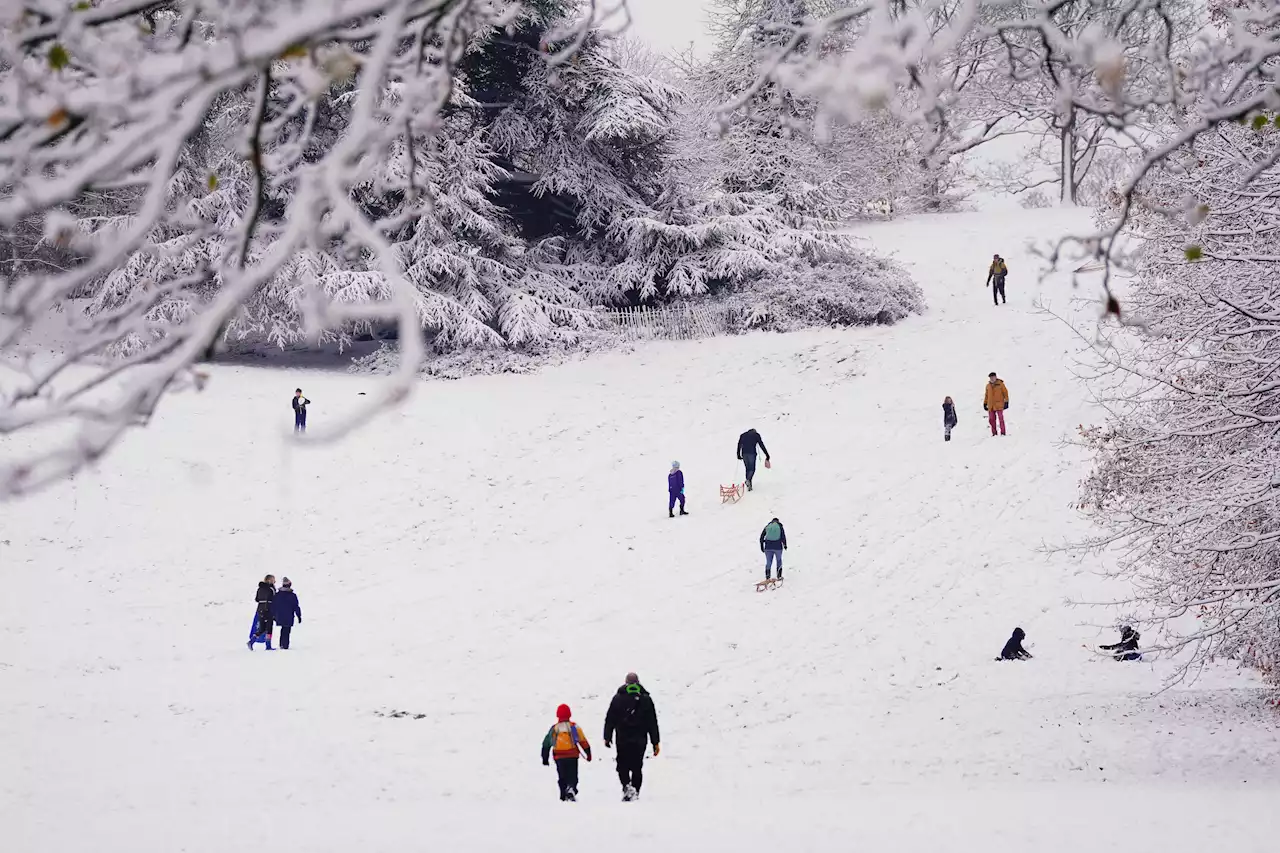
(672, 323)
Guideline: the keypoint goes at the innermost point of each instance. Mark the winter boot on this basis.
(946, 438)
(748, 485)
(250, 644)
(682, 512)
(672, 514)
(628, 794)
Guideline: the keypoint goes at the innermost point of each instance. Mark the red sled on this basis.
(731, 494)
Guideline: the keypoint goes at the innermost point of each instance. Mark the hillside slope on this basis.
(500, 545)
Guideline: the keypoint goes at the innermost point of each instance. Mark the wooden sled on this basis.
(731, 494)
(772, 583)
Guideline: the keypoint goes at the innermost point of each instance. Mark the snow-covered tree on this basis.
(1188, 468)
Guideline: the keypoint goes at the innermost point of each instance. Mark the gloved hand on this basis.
(546, 763)
(656, 749)
(1006, 405)
(608, 744)
(588, 758)
(984, 407)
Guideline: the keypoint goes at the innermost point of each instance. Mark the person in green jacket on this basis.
(773, 541)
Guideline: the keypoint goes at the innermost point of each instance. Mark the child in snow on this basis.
(773, 541)
(284, 607)
(675, 490)
(1127, 648)
(1013, 649)
(261, 630)
(300, 404)
(948, 418)
(563, 741)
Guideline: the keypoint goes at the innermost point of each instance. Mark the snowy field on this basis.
(500, 545)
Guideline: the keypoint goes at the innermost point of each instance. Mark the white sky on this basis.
(670, 25)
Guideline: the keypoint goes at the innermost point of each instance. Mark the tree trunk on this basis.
(1066, 168)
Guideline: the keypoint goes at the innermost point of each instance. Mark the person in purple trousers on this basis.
(675, 490)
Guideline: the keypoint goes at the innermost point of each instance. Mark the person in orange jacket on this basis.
(995, 402)
(565, 741)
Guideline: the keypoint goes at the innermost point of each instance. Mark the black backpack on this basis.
(632, 716)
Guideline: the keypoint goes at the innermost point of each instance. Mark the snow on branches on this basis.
(1188, 470)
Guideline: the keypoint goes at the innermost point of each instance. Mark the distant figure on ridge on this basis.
(773, 541)
(284, 607)
(300, 404)
(675, 490)
(1013, 649)
(565, 741)
(1127, 648)
(995, 277)
(948, 418)
(747, 444)
(261, 630)
(995, 402)
(633, 717)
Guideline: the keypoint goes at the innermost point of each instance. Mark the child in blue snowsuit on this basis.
(675, 490)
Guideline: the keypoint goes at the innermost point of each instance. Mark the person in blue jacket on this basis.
(283, 608)
(675, 490)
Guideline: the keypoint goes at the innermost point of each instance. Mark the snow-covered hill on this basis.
(500, 545)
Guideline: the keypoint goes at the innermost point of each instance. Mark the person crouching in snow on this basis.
(1013, 649)
(565, 741)
(675, 490)
(1127, 648)
(948, 418)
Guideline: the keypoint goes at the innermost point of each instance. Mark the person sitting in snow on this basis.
(300, 404)
(565, 741)
(747, 444)
(675, 490)
(948, 418)
(1013, 649)
(1127, 648)
(261, 630)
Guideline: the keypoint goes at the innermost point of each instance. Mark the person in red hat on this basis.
(565, 741)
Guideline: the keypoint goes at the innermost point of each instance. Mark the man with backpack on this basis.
(632, 716)
(773, 541)
(995, 277)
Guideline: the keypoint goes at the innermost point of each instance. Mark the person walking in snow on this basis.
(284, 607)
(565, 742)
(300, 404)
(995, 278)
(1127, 648)
(261, 630)
(675, 490)
(995, 402)
(1013, 649)
(747, 444)
(633, 717)
(948, 418)
(773, 541)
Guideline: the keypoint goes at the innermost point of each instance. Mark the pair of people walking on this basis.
(274, 608)
(995, 402)
(632, 719)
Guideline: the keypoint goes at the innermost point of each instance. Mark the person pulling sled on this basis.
(260, 632)
(747, 444)
(773, 541)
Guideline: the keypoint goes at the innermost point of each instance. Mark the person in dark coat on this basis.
(1127, 648)
(995, 278)
(300, 404)
(747, 444)
(675, 490)
(1013, 649)
(773, 541)
(284, 607)
(949, 420)
(635, 721)
(261, 630)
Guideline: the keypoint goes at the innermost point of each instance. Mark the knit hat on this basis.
(563, 714)
(675, 465)
(286, 582)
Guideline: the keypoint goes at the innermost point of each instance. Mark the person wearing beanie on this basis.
(260, 632)
(675, 490)
(284, 607)
(634, 719)
(300, 404)
(995, 401)
(565, 742)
